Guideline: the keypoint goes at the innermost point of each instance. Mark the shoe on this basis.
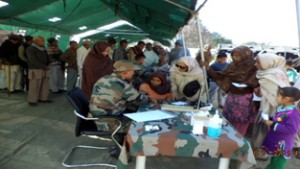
(32, 104)
(115, 152)
(45, 101)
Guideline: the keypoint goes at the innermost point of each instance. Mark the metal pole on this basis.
(183, 42)
(180, 6)
(298, 20)
(202, 59)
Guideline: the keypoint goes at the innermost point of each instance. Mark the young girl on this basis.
(157, 87)
(283, 128)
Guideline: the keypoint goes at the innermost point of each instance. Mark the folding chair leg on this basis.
(114, 133)
(86, 165)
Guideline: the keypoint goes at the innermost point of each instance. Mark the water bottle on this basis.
(214, 126)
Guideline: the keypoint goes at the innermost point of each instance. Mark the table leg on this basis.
(140, 162)
(224, 163)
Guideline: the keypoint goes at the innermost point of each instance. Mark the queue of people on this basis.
(116, 80)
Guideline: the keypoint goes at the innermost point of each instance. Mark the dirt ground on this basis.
(40, 137)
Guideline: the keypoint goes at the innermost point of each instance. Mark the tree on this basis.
(191, 36)
(216, 38)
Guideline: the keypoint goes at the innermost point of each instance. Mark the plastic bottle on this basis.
(214, 126)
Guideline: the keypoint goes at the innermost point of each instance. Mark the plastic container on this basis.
(214, 126)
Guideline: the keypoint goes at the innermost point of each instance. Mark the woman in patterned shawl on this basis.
(238, 80)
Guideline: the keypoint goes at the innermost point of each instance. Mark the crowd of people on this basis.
(117, 79)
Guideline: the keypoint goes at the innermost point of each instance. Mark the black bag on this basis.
(191, 88)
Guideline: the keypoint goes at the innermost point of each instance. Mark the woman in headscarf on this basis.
(238, 80)
(271, 75)
(157, 87)
(96, 65)
(187, 80)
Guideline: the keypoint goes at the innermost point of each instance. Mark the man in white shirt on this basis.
(152, 58)
(82, 52)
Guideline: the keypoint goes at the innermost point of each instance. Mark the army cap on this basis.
(124, 65)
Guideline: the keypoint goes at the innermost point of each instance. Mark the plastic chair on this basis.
(86, 126)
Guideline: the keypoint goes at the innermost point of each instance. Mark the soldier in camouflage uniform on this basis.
(112, 93)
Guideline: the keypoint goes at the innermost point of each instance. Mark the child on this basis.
(219, 65)
(140, 75)
(140, 59)
(283, 128)
(157, 87)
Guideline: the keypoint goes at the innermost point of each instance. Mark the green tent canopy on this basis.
(127, 32)
(157, 18)
(74, 14)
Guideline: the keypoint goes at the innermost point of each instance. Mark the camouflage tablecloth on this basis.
(176, 139)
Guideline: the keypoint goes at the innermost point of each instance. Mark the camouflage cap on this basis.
(124, 65)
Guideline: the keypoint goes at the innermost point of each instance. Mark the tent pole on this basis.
(195, 15)
(183, 41)
(298, 21)
(203, 60)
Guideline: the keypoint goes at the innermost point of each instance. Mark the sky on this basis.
(272, 22)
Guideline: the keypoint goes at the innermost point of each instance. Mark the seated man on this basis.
(112, 93)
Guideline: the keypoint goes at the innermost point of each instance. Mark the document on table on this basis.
(150, 115)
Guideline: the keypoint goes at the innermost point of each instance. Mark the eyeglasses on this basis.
(181, 67)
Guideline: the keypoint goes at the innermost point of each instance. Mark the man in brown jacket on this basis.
(72, 69)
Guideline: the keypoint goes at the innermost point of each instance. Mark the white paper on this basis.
(198, 127)
(150, 115)
(256, 98)
(180, 103)
(265, 116)
(151, 127)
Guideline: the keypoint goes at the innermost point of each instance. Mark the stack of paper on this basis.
(170, 107)
(150, 115)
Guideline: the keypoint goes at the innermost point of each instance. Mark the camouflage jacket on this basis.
(111, 94)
